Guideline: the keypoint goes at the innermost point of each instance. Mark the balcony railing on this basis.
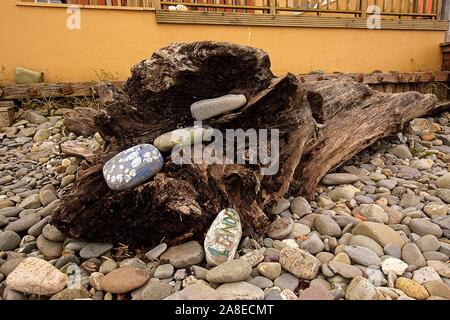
(388, 9)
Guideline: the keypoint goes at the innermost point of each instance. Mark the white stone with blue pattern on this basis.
(130, 167)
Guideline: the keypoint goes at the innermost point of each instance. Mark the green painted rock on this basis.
(222, 238)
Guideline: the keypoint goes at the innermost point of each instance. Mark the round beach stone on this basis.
(393, 251)
(362, 255)
(363, 241)
(281, 206)
(300, 263)
(393, 265)
(49, 249)
(315, 293)
(31, 202)
(196, 291)
(443, 194)
(411, 288)
(412, 255)
(261, 282)
(340, 257)
(157, 291)
(373, 212)
(9, 265)
(240, 291)
(108, 266)
(154, 253)
(280, 228)
(313, 244)
(47, 195)
(184, 255)
(94, 249)
(271, 270)
(180, 137)
(339, 178)
(36, 229)
(24, 223)
(443, 181)
(327, 226)
(9, 240)
(435, 255)
(52, 233)
(164, 271)
(287, 281)
(3, 220)
(124, 280)
(379, 232)
(346, 192)
(132, 166)
(70, 178)
(209, 108)
(253, 257)
(362, 289)
(71, 294)
(36, 276)
(300, 230)
(426, 274)
(435, 209)
(422, 164)
(428, 243)
(300, 206)
(346, 270)
(223, 237)
(230, 271)
(423, 226)
(438, 289)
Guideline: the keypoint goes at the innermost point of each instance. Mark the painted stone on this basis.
(132, 166)
(222, 238)
(182, 137)
(209, 108)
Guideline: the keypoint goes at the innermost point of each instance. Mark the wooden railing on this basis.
(393, 9)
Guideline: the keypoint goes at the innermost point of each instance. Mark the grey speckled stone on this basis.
(95, 249)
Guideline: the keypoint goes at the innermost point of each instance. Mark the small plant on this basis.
(103, 75)
(2, 76)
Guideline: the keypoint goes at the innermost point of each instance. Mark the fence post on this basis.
(363, 8)
(272, 5)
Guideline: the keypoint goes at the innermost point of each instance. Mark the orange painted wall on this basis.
(114, 40)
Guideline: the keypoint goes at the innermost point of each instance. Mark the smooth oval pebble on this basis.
(36, 276)
(222, 238)
(132, 166)
(124, 280)
(94, 249)
(209, 108)
(9, 240)
(180, 137)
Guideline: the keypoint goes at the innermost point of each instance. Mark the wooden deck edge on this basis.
(89, 89)
(214, 18)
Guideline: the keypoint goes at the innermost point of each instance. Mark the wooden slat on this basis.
(363, 6)
(210, 5)
(56, 90)
(163, 16)
(89, 89)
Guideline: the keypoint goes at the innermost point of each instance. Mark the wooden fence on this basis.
(393, 9)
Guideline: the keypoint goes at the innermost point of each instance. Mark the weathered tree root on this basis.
(321, 125)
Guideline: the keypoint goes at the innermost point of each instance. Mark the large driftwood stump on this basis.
(322, 124)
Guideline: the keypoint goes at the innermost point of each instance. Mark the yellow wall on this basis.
(114, 40)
